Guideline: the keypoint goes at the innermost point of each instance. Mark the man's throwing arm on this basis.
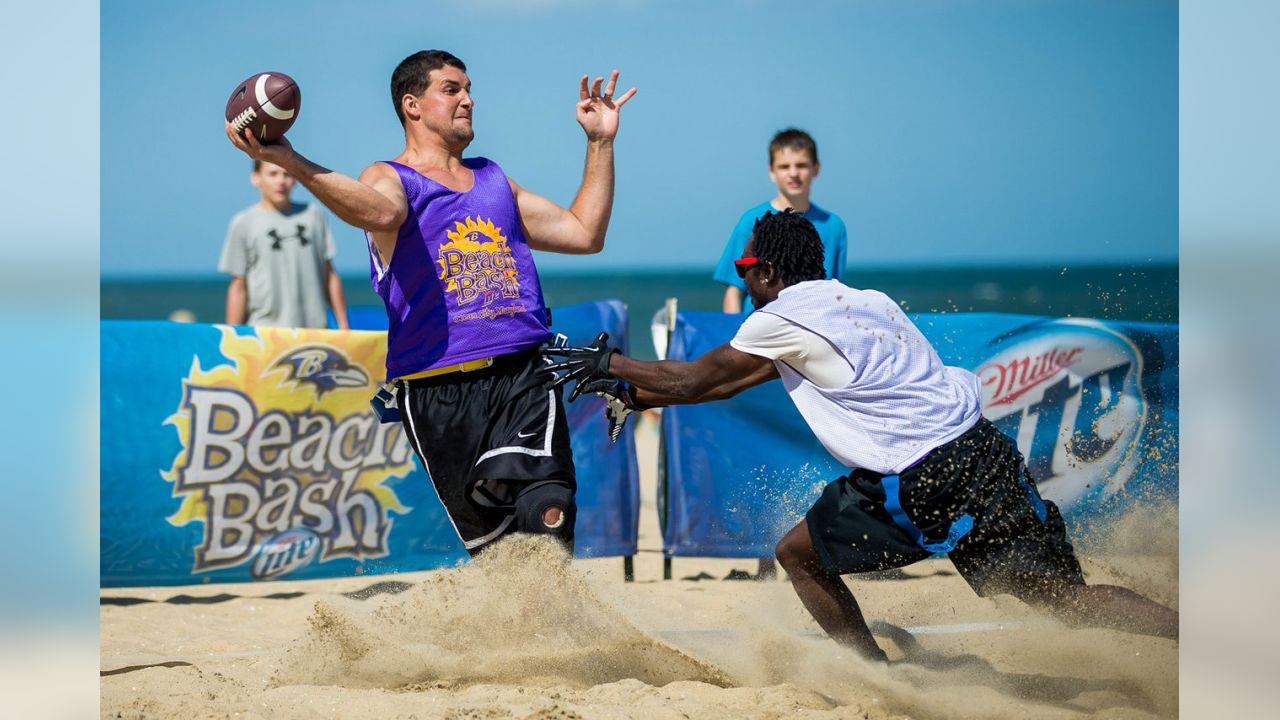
(375, 202)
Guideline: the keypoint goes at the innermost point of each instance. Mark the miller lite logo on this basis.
(1069, 392)
(291, 550)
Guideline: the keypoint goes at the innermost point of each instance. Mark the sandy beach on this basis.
(523, 634)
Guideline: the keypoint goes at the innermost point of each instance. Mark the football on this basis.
(268, 103)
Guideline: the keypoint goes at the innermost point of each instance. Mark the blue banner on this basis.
(1093, 406)
(232, 454)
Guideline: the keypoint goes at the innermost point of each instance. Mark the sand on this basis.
(527, 634)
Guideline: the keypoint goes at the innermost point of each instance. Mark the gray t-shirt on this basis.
(283, 257)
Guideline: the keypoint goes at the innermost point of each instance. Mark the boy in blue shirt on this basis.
(793, 165)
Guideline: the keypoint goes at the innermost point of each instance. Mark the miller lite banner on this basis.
(1092, 405)
(239, 454)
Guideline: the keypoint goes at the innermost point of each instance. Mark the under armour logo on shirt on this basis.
(276, 238)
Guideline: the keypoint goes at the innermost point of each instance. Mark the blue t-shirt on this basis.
(835, 242)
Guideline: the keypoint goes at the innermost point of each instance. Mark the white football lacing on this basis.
(242, 120)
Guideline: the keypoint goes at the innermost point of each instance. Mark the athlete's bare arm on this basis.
(721, 373)
(581, 228)
(384, 180)
(376, 202)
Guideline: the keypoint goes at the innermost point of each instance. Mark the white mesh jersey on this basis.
(868, 383)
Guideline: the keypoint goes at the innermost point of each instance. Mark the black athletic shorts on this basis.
(970, 498)
(484, 437)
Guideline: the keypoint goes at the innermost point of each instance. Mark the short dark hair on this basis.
(257, 164)
(413, 74)
(790, 243)
(793, 138)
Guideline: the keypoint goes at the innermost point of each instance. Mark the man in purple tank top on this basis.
(449, 249)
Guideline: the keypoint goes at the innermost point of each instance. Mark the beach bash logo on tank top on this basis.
(282, 460)
(477, 267)
(1069, 392)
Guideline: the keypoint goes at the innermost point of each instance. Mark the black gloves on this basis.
(619, 402)
(589, 366)
(583, 364)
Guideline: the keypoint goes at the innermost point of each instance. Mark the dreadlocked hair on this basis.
(789, 242)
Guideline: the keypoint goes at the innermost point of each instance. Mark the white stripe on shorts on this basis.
(546, 443)
(473, 544)
(417, 447)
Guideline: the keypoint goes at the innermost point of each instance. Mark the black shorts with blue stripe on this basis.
(970, 499)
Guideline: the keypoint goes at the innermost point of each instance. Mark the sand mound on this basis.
(518, 615)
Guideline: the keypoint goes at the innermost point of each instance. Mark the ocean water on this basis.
(1145, 292)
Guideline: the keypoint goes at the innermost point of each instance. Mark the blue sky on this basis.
(950, 132)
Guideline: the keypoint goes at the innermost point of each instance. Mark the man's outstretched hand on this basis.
(582, 364)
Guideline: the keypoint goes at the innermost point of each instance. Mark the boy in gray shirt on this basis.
(279, 254)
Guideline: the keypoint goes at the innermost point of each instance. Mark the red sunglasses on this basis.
(742, 265)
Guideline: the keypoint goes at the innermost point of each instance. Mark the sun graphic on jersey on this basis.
(477, 262)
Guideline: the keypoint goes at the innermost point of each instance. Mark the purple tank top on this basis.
(461, 284)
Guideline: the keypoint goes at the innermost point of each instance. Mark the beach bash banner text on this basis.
(236, 454)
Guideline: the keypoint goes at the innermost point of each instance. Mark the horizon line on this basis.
(697, 269)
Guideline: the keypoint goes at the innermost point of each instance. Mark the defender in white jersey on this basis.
(928, 473)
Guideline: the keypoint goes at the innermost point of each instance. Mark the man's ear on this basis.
(409, 104)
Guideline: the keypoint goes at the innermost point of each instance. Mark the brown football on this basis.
(267, 102)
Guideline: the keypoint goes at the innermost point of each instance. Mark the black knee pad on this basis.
(536, 500)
